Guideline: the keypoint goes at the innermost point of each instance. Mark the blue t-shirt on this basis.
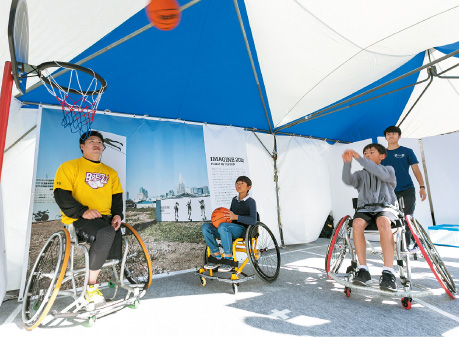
(401, 159)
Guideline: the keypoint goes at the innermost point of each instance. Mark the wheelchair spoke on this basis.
(432, 257)
(45, 279)
(137, 269)
(263, 252)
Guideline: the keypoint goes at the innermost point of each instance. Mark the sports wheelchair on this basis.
(55, 266)
(262, 251)
(341, 248)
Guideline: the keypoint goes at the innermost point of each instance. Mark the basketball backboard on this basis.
(18, 38)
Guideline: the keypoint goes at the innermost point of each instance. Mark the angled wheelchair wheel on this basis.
(432, 257)
(137, 268)
(337, 247)
(45, 279)
(263, 251)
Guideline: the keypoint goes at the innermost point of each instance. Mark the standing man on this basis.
(90, 196)
(401, 159)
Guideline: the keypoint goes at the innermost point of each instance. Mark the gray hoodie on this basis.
(375, 183)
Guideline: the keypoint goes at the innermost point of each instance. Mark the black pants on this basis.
(409, 199)
(104, 240)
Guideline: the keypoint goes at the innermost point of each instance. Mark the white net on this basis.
(78, 105)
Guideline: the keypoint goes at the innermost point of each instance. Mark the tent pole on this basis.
(418, 99)
(276, 180)
(274, 157)
(424, 165)
(241, 24)
(330, 109)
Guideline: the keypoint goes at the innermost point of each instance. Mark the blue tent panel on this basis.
(369, 119)
(200, 71)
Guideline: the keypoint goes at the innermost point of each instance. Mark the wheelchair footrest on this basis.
(228, 262)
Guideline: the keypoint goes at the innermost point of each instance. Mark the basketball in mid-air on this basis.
(219, 216)
(164, 14)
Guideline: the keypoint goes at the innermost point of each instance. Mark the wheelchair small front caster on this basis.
(134, 305)
(91, 321)
(406, 302)
(235, 288)
(203, 281)
(347, 291)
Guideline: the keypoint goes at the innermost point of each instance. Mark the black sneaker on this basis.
(387, 281)
(362, 277)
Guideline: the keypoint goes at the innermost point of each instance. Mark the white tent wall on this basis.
(422, 210)
(262, 175)
(442, 163)
(17, 186)
(342, 194)
(304, 187)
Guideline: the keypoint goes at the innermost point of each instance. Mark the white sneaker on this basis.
(94, 295)
(225, 268)
(210, 266)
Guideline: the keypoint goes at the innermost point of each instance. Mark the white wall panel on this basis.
(442, 167)
(305, 198)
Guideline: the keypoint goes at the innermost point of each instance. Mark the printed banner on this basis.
(184, 209)
(226, 157)
(59, 146)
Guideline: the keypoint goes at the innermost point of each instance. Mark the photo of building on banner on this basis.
(226, 157)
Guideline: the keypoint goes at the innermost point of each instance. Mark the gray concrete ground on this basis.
(301, 302)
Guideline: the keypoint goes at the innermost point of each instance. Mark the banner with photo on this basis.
(162, 167)
(57, 145)
(226, 157)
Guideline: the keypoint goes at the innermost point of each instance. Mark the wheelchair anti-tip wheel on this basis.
(263, 251)
(337, 247)
(137, 269)
(45, 279)
(432, 257)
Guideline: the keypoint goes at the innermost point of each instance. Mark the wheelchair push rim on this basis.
(432, 257)
(35, 305)
(263, 252)
(137, 267)
(337, 247)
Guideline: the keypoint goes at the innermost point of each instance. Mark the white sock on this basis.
(389, 269)
(364, 267)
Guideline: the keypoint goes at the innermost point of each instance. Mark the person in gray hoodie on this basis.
(375, 206)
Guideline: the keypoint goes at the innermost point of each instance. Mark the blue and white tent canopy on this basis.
(306, 54)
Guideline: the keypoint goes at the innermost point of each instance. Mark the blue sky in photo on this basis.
(157, 151)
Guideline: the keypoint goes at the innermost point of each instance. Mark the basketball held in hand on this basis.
(164, 14)
(219, 215)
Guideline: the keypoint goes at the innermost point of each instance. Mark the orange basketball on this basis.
(164, 14)
(219, 216)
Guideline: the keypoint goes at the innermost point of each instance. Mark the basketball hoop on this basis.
(78, 105)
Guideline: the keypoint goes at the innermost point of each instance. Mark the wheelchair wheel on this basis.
(336, 251)
(137, 268)
(45, 279)
(263, 251)
(432, 257)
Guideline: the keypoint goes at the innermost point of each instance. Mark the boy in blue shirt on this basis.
(242, 213)
(375, 205)
(401, 159)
